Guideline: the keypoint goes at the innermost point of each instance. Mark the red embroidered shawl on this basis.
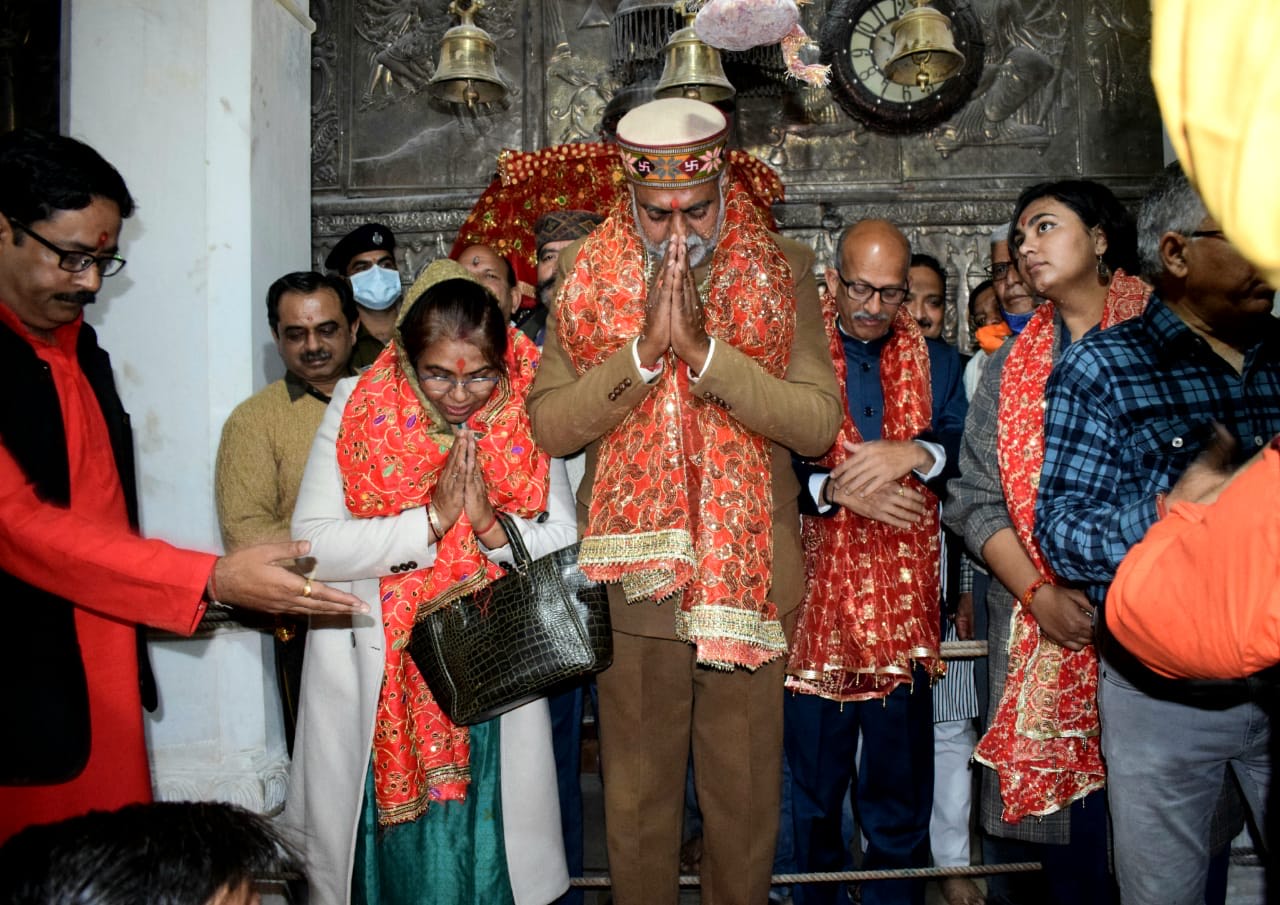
(1043, 739)
(871, 590)
(392, 446)
(683, 501)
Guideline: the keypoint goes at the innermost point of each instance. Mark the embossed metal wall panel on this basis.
(1063, 92)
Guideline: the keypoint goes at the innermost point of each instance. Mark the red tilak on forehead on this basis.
(673, 204)
(102, 240)
(462, 364)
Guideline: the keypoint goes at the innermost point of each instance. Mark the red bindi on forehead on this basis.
(461, 364)
(102, 240)
(674, 205)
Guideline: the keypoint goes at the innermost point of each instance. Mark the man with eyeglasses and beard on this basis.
(267, 438)
(685, 353)
(866, 647)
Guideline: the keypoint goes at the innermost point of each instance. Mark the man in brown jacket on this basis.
(686, 353)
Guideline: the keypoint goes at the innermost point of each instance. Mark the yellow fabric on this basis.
(1217, 77)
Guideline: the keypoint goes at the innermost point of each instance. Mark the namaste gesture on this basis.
(674, 318)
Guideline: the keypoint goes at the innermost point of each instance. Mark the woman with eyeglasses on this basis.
(409, 470)
(1074, 245)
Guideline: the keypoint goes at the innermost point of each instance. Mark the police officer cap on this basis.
(370, 237)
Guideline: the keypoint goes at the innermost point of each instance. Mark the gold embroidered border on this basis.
(408, 811)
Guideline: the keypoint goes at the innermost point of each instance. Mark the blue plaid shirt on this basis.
(1127, 410)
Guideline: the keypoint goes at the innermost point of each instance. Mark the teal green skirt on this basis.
(452, 855)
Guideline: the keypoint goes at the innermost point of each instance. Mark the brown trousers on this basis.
(655, 704)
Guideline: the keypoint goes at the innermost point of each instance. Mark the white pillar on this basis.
(204, 108)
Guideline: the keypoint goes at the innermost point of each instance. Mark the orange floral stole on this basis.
(870, 607)
(682, 502)
(1043, 739)
(392, 446)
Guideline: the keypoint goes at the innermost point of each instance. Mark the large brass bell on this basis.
(467, 73)
(693, 69)
(924, 51)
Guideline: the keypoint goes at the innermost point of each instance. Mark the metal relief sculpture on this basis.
(326, 128)
(1063, 91)
(1019, 99)
(407, 33)
(578, 87)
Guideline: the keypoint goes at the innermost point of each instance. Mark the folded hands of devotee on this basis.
(673, 310)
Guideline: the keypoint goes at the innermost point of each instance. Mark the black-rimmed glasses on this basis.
(75, 261)
(1207, 234)
(999, 270)
(439, 383)
(861, 291)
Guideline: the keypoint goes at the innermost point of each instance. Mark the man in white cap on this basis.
(685, 351)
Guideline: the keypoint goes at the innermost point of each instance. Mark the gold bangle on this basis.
(433, 521)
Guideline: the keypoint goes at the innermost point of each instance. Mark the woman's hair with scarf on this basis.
(458, 309)
(1095, 205)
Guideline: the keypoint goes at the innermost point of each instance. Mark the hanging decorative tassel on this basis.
(817, 74)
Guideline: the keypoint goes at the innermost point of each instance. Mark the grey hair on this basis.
(1001, 233)
(1171, 205)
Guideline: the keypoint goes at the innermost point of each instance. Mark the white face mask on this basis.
(376, 288)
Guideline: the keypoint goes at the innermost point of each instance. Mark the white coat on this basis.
(342, 675)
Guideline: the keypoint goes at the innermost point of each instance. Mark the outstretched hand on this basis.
(256, 579)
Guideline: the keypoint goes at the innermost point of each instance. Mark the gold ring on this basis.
(901, 492)
(306, 588)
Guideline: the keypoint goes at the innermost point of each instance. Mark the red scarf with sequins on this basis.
(695, 520)
(392, 446)
(870, 608)
(1043, 740)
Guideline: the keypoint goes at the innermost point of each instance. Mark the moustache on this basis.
(315, 358)
(872, 318)
(83, 297)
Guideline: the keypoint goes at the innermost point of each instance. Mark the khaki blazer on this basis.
(800, 412)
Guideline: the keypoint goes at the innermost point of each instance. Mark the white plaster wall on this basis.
(203, 106)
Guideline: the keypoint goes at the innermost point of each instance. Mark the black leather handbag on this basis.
(541, 624)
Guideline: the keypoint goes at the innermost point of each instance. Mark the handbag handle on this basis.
(514, 539)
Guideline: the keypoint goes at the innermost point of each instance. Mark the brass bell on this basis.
(693, 69)
(467, 73)
(924, 51)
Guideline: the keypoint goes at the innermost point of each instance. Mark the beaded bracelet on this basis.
(1029, 594)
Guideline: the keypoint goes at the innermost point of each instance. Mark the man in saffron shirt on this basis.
(75, 580)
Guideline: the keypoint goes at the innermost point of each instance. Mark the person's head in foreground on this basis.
(163, 853)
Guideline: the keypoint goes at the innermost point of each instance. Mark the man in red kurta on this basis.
(75, 580)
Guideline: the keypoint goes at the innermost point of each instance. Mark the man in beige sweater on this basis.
(267, 438)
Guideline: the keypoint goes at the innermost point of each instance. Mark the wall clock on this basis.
(857, 41)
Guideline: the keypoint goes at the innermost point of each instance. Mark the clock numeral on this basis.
(859, 51)
(881, 19)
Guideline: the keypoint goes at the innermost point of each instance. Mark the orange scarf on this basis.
(392, 446)
(683, 502)
(871, 590)
(1043, 739)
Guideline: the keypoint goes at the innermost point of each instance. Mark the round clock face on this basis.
(857, 40)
